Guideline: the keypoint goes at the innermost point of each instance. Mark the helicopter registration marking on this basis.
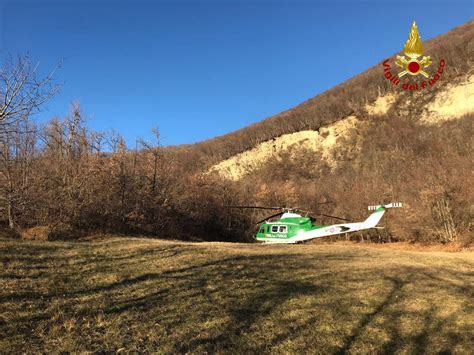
(279, 236)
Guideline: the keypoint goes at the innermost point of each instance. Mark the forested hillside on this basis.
(349, 98)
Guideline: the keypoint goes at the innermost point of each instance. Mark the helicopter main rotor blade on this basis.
(328, 215)
(276, 208)
(322, 214)
(267, 218)
(256, 207)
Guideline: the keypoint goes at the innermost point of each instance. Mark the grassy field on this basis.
(124, 294)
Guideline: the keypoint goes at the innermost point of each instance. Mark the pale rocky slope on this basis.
(449, 103)
(324, 141)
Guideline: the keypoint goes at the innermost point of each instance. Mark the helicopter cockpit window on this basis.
(274, 229)
(283, 229)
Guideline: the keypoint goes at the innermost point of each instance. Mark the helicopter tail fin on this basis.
(375, 217)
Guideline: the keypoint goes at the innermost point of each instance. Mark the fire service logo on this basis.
(413, 65)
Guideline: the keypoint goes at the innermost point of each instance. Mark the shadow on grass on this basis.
(253, 309)
(395, 291)
(59, 266)
(217, 303)
(391, 310)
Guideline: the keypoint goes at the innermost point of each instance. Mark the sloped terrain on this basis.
(142, 295)
(455, 101)
(363, 142)
(324, 141)
(451, 102)
(368, 93)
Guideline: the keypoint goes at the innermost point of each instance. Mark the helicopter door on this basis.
(283, 229)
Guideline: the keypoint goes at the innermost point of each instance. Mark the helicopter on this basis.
(293, 227)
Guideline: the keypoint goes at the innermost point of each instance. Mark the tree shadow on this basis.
(423, 280)
(255, 308)
(397, 285)
(246, 291)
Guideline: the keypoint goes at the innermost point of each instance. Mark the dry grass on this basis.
(147, 295)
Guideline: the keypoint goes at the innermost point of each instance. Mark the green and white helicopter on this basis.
(292, 227)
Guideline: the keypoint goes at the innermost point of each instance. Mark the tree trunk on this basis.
(11, 222)
(446, 217)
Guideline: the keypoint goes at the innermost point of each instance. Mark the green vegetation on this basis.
(134, 294)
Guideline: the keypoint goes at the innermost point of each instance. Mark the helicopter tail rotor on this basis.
(389, 205)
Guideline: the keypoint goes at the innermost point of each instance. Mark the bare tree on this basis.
(154, 148)
(17, 150)
(22, 91)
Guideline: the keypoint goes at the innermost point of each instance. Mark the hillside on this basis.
(142, 295)
(365, 141)
(361, 96)
(451, 102)
(325, 141)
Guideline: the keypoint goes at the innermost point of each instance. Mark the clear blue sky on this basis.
(197, 69)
